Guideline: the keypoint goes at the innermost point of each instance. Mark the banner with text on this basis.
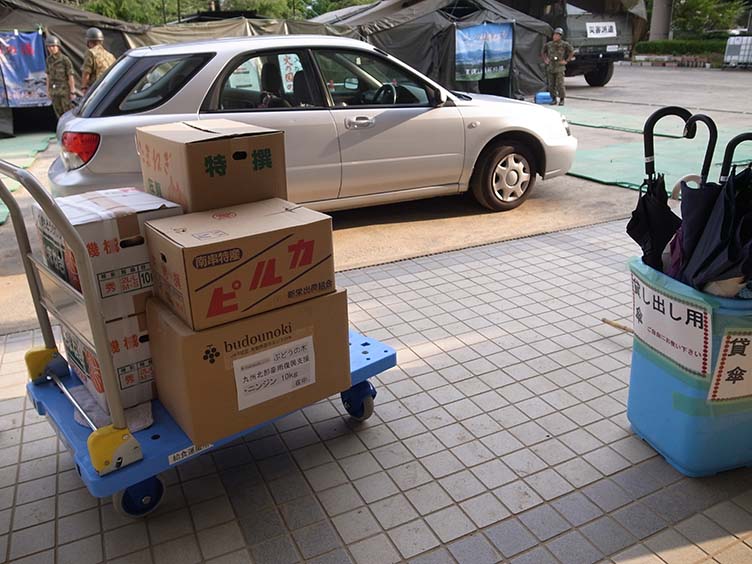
(483, 51)
(22, 63)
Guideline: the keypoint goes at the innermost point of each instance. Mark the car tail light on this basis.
(78, 148)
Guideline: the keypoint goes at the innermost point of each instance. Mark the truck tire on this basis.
(600, 75)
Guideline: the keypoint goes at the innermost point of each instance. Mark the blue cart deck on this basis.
(164, 444)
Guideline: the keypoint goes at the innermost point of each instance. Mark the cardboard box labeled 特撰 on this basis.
(223, 265)
(224, 380)
(111, 224)
(131, 357)
(213, 163)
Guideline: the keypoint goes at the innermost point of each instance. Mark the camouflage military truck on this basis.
(601, 31)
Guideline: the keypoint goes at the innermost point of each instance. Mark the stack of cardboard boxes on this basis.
(112, 226)
(246, 323)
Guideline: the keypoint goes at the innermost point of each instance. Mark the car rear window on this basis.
(138, 84)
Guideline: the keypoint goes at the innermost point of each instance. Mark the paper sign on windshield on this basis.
(600, 29)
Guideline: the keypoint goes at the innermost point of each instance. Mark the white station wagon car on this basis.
(361, 127)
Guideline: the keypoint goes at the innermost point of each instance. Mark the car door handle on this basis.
(359, 122)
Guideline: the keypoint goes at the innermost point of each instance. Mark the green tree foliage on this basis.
(269, 8)
(696, 17)
(155, 12)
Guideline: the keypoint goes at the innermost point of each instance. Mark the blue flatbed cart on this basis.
(111, 460)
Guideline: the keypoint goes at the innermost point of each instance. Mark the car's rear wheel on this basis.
(505, 176)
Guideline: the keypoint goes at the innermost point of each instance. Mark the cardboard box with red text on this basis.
(219, 266)
(224, 380)
(131, 357)
(111, 223)
(214, 163)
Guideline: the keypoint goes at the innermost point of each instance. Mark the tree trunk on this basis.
(660, 22)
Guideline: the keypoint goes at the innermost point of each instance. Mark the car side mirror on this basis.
(439, 98)
(351, 83)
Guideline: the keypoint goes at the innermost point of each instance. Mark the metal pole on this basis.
(71, 399)
(178, 11)
(164, 13)
(24, 247)
(86, 275)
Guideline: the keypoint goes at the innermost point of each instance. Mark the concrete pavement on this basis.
(500, 437)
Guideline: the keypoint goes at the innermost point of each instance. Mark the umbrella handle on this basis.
(712, 140)
(728, 156)
(689, 132)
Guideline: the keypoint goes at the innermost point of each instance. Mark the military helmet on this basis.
(559, 31)
(52, 41)
(94, 34)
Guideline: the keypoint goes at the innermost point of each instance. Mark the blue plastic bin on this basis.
(543, 98)
(668, 405)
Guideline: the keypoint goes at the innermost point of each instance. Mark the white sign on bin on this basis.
(733, 373)
(678, 329)
(600, 29)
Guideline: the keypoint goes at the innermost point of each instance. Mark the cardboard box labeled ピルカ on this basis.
(111, 224)
(131, 357)
(219, 266)
(215, 163)
(224, 380)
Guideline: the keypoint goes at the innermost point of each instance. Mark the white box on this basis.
(111, 223)
(131, 356)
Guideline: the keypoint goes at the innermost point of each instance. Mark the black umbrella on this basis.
(653, 224)
(724, 248)
(697, 203)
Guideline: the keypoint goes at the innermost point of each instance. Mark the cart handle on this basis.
(648, 131)
(728, 156)
(712, 140)
(86, 275)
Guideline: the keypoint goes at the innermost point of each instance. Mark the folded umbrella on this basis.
(724, 249)
(697, 203)
(653, 224)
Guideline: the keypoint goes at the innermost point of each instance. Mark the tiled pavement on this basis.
(502, 436)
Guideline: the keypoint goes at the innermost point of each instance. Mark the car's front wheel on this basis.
(505, 176)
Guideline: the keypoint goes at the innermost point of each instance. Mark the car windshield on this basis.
(137, 84)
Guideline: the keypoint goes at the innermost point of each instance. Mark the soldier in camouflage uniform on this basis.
(556, 54)
(97, 59)
(60, 82)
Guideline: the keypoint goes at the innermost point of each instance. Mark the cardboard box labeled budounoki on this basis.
(221, 381)
(111, 224)
(131, 357)
(213, 163)
(219, 266)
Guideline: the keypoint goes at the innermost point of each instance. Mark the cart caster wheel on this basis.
(365, 411)
(358, 401)
(140, 499)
